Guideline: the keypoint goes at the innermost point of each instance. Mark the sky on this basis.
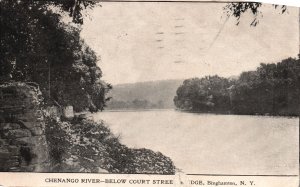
(138, 42)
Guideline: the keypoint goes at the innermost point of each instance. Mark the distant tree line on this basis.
(273, 89)
(134, 104)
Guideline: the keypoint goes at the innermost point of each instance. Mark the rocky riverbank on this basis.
(31, 140)
(82, 145)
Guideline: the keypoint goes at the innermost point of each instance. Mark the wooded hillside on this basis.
(144, 95)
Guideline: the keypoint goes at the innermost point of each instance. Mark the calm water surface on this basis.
(212, 144)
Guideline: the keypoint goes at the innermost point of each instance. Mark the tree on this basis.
(238, 9)
(271, 89)
(36, 46)
(207, 94)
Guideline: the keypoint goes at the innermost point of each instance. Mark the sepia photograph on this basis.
(142, 87)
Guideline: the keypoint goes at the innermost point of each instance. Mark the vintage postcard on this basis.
(149, 93)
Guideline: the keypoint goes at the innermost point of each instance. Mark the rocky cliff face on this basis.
(23, 145)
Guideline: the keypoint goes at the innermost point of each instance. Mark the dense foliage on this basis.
(206, 94)
(36, 46)
(272, 89)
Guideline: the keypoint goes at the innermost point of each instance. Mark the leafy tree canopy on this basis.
(271, 89)
(239, 8)
(37, 47)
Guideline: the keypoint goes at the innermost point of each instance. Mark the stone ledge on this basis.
(23, 146)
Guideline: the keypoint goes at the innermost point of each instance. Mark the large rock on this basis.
(23, 146)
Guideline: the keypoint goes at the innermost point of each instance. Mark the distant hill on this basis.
(144, 95)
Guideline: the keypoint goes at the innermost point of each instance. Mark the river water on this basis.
(210, 143)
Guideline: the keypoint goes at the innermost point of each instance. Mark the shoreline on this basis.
(194, 112)
(138, 110)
